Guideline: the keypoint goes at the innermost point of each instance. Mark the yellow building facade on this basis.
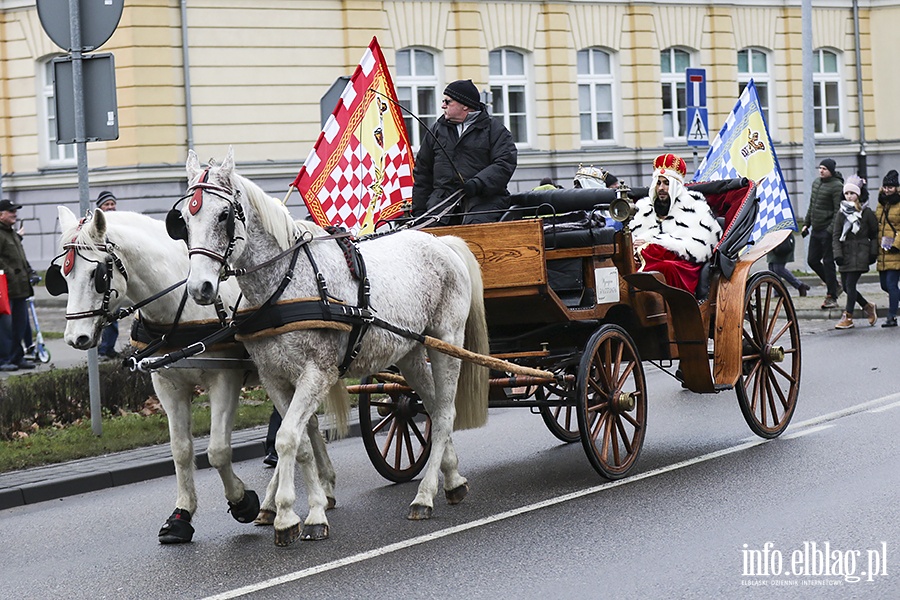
(578, 82)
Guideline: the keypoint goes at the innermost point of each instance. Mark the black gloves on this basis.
(839, 260)
(471, 188)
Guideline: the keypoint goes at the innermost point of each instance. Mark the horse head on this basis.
(89, 269)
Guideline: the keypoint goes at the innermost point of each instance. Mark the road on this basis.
(708, 507)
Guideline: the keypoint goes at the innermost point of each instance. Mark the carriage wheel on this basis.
(396, 434)
(612, 401)
(770, 378)
(561, 420)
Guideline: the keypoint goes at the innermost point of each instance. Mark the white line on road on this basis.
(884, 408)
(808, 426)
(803, 432)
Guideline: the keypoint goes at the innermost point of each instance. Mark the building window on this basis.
(754, 64)
(417, 85)
(595, 95)
(673, 62)
(56, 154)
(509, 91)
(826, 93)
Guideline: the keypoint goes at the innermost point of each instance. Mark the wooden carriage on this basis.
(572, 301)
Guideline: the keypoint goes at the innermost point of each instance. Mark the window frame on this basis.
(504, 81)
(50, 153)
(821, 81)
(415, 83)
(673, 80)
(593, 80)
(758, 77)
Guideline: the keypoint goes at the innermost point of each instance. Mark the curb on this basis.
(54, 489)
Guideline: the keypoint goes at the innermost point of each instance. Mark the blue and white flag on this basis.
(743, 148)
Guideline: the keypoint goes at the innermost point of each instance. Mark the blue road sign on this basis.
(697, 133)
(695, 85)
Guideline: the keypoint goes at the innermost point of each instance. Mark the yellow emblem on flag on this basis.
(751, 153)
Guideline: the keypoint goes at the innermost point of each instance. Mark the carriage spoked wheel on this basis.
(396, 432)
(770, 378)
(560, 419)
(611, 401)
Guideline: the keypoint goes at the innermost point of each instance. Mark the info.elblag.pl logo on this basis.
(811, 563)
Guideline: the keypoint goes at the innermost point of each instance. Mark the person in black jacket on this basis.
(824, 202)
(855, 248)
(469, 150)
(14, 327)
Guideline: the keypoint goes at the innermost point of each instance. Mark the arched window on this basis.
(596, 109)
(672, 64)
(53, 153)
(417, 86)
(509, 91)
(827, 92)
(754, 64)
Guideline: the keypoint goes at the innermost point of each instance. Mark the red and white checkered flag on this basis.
(360, 170)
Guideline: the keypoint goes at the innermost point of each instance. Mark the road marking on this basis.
(809, 426)
(884, 408)
(803, 432)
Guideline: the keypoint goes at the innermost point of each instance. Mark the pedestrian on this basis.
(855, 248)
(271, 458)
(778, 259)
(546, 184)
(467, 150)
(887, 213)
(824, 203)
(13, 263)
(674, 230)
(106, 202)
(611, 181)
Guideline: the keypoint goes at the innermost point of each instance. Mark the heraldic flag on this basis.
(360, 170)
(743, 148)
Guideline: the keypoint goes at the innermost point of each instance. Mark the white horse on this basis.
(153, 262)
(419, 282)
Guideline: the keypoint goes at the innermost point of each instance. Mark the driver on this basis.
(674, 230)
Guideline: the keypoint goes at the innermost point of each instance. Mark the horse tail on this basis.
(472, 388)
(337, 405)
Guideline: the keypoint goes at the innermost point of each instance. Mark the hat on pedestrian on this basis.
(852, 187)
(828, 164)
(610, 179)
(104, 196)
(8, 205)
(464, 92)
(892, 179)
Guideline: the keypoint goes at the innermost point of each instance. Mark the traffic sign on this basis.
(698, 127)
(695, 85)
(101, 120)
(98, 21)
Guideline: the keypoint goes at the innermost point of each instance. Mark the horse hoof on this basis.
(331, 503)
(265, 518)
(419, 512)
(177, 528)
(247, 509)
(314, 533)
(456, 495)
(286, 537)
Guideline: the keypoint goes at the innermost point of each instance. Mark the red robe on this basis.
(679, 272)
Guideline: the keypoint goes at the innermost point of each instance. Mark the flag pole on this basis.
(291, 189)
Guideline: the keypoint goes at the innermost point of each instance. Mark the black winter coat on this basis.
(14, 264)
(485, 152)
(824, 202)
(860, 249)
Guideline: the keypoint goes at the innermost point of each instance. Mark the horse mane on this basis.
(136, 224)
(275, 217)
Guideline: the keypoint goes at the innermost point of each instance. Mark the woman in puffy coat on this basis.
(887, 213)
(855, 248)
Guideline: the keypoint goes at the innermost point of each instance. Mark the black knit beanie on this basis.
(891, 179)
(828, 164)
(464, 92)
(104, 196)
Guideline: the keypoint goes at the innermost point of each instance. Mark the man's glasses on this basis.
(446, 102)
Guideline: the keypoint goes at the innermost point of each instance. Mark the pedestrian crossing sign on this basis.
(697, 132)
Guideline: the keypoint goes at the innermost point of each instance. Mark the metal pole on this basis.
(809, 124)
(83, 190)
(186, 68)
(861, 167)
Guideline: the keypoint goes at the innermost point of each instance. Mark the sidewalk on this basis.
(76, 477)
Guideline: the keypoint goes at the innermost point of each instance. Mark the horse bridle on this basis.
(177, 227)
(103, 274)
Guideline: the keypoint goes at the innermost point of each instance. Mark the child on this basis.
(778, 258)
(855, 248)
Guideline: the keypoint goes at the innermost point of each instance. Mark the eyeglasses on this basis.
(446, 101)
